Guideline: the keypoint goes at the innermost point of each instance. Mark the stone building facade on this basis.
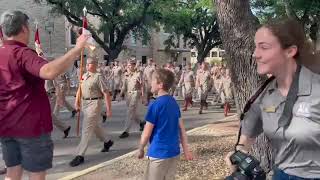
(51, 28)
(57, 37)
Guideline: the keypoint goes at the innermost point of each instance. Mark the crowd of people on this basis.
(33, 88)
(42, 82)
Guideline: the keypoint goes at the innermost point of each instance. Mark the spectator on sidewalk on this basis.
(287, 110)
(25, 115)
(164, 129)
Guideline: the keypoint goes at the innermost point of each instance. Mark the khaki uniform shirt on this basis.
(204, 79)
(93, 85)
(187, 77)
(117, 72)
(132, 81)
(62, 79)
(297, 148)
(49, 86)
(148, 74)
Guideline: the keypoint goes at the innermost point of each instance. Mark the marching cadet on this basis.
(133, 87)
(187, 84)
(227, 92)
(178, 73)
(139, 66)
(106, 73)
(62, 87)
(169, 66)
(198, 90)
(116, 75)
(204, 84)
(217, 85)
(93, 90)
(147, 75)
(51, 91)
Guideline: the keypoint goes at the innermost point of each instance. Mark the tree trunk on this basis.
(237, 28)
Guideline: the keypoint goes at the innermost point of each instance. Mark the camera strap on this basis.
(292, 96)
(250, 102)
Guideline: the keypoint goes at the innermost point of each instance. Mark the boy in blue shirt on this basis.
(164, 129)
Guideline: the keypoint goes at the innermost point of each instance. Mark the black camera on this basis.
(248, 167)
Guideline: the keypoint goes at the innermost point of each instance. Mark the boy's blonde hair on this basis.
(166, 77)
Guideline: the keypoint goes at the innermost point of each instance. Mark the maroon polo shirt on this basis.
(24, 104)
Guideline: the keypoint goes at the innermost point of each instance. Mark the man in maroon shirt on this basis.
(25, 115)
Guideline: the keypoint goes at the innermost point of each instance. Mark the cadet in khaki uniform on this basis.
(133, 87)
(187, 84)
(227, 93)
(93, 90)
(170, 67)
(51, 91)
(62, 86)
(147, 75)
(116, 75)
(198, 90)
(204, 84)
(140, 66)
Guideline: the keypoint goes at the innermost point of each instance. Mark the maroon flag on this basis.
(37, 42)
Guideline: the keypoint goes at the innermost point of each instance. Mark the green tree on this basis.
(306, 12)
(117, 19)
(196, 22)
(237, 27)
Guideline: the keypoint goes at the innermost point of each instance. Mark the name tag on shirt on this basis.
(304, 110)
(269, 109)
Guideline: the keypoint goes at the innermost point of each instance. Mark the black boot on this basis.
(114, 95)
(104, 118)
(201, 106)
(3, 171)
(73, 113)
(124, 135)
(66, 132)
(106, 146)
(77, 161)
(142, 125)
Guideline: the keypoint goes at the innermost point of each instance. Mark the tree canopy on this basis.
(117, 19)
(196, 22)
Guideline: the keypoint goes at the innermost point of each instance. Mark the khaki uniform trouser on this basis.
(172, 89)
(161, 169)
(147, 91)
(59, 124)
(187, 90)
(91, 124)
(203, 93)
(132, 103)
(225, 95)
(62, 98)
(116, 84)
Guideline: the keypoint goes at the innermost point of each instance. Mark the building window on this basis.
(144, 42)
(133, 39)
(106, 37)
(214, 54)
(222, 54)
(184, 61)
(144, 59)
(185, 44)
(73, 37)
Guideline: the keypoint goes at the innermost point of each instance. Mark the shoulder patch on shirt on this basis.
(303, 109)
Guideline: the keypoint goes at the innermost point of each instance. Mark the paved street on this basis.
(64, 148)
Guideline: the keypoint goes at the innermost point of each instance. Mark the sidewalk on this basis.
(210, 143)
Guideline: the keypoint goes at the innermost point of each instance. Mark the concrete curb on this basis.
(107, 163)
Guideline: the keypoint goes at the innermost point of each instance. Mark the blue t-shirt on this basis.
(164, 114)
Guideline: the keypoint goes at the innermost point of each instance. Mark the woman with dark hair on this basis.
(287, 110)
